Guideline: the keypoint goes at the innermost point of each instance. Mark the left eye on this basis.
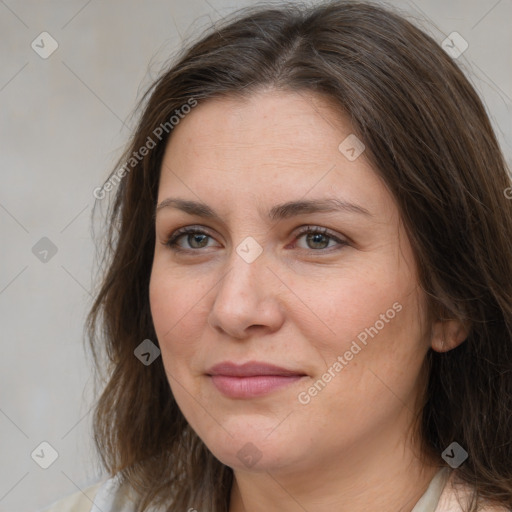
(319, 239)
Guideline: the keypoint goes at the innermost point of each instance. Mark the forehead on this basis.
(268, 121)
(267, 147)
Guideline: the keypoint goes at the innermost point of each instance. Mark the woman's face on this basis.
(298, 260)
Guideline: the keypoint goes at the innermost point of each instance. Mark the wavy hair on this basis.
(426, 134)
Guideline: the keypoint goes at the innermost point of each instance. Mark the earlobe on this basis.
(448, 334)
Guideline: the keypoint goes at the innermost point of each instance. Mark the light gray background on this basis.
(64, 121)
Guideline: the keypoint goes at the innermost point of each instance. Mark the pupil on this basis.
(316, 238)
(196, 238)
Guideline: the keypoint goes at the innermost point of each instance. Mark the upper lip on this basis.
(250, 369)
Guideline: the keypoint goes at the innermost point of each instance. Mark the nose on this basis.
(247, 299)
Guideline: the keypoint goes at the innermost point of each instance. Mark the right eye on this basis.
(194, 237)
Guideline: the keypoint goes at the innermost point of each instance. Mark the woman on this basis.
(308, 301)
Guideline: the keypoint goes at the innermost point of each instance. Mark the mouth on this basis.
(251, 379)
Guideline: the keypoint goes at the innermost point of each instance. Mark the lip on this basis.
(251, 379)
(251, 369)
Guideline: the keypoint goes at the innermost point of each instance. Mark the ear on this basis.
(448, 334)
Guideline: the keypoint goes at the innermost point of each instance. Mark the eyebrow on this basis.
(278, 212)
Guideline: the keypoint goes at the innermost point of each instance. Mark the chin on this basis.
(254, 444)
(248, 457)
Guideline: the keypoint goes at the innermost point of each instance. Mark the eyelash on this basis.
(171, 242)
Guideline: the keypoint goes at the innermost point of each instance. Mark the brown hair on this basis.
(427, 135)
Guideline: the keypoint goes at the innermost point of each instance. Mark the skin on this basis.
(298, 305)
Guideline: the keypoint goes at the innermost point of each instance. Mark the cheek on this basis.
(338, 305)
(178, 306)
(370, 318)
(382, 352)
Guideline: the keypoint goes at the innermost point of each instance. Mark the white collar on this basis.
(428, 502)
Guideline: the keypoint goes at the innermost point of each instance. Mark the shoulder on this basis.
(106, 496)
(456, 497)
(80, 501)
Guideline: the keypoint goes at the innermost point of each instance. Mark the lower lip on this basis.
(249, 387)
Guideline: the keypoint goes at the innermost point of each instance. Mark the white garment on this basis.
(428, 502)
(110, 496)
